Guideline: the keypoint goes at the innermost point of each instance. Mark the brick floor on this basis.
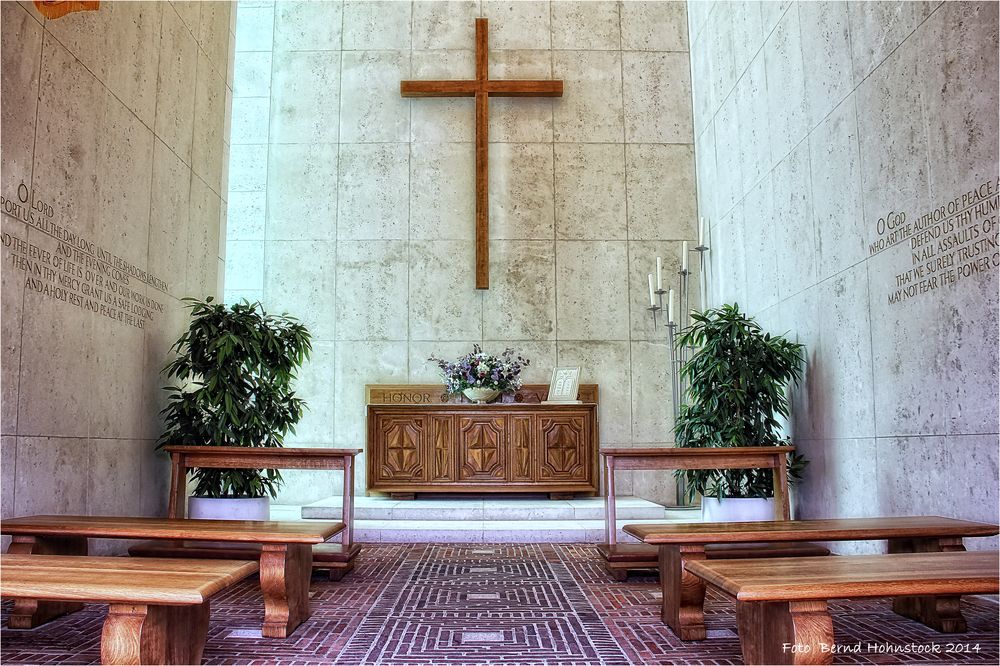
(457, 604)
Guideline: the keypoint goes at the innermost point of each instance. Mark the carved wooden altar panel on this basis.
(441, 435)
(401, 456)
(520, 447)
(562, 447)
(461, 447)
(482, 448)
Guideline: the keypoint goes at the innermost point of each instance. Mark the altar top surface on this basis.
(429, 394)
(472, 406)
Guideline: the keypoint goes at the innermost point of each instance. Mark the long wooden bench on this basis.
(337, 559)
(781, 604)
(285, 551)
(683, 543)
(620, 558)
(158, 609)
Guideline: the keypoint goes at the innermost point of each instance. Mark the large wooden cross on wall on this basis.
(482, 87)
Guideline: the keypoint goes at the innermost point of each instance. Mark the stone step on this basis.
(484, 509)
(490, 531)
(485, 520)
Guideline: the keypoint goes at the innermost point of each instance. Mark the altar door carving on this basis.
(401, 456)
(481, 446)
(520, 447)
(562, 448)
(441, 435)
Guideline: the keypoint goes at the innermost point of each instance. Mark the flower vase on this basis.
(480, 396)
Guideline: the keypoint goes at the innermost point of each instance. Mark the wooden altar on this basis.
(421, 440)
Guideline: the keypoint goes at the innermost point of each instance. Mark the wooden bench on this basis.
(781, 604)
(683, 543)
(619, 559)
(158, 609)
(624, 557)
(285, 553)
(336, 559)
(330, 557)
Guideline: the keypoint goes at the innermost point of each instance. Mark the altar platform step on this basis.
(488, 531)
(483, 508)
(487, 520)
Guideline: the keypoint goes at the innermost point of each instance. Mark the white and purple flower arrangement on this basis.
(478, 369)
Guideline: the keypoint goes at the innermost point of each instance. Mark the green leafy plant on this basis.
(737, 388)
(234, 368)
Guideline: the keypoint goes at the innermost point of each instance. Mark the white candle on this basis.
(670, 306)
(652, 301)
(701, 232)
(684, 256)
(659, 273)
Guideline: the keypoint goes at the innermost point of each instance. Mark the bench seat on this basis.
(680, 544)
(620, 558)
(332, 557)
(783, 602)
(284, 550)
(157, 608)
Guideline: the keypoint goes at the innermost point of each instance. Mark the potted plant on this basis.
(481, 377)
(737, 382)
(233, 373)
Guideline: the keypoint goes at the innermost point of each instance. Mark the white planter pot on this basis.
(736, 509)
(229, 508)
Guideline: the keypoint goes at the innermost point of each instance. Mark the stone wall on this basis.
(826, 132)
(113, 159)
(352, 207)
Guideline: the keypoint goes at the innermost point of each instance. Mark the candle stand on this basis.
(679, 355)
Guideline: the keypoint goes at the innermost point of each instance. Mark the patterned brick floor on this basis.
(496, 604)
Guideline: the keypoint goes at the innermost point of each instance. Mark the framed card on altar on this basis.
(563, 387)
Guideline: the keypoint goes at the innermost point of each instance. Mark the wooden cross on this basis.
(482, 87)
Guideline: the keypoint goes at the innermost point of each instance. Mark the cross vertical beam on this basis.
(481, 88)
(482, 157)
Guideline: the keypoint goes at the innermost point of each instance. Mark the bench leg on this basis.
(285, 570)
(337, 572)
(338, 560)
(617, 575)
(30, 613)
(792, 632)
(942, 613)
(144, 634)
(683, 593)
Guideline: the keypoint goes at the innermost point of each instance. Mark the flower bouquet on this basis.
(481, 377)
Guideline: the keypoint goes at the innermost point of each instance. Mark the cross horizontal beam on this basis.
(469, 88)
